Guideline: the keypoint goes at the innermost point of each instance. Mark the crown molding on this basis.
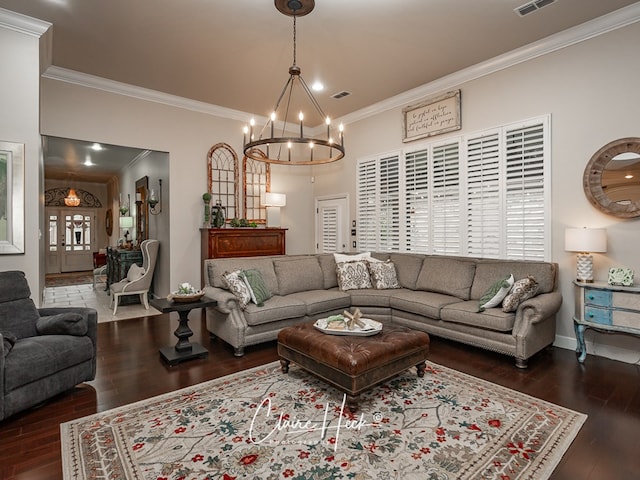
(607, 23)
(22, 23)
(601, 25)
(111, 86)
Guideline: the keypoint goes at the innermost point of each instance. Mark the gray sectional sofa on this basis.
(437, 294)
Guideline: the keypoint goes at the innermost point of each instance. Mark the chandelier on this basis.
(71, 200)
(283, 140)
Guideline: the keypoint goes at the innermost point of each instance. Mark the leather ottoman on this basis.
(353, 364)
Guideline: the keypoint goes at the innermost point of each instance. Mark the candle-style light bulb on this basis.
(289, 145)
(252, 123)
(311, 151)
(245, 130)
(328, 122)
(341, 129)
(301, 117)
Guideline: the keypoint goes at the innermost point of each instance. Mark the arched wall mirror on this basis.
(612, 178)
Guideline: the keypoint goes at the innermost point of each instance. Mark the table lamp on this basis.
(273, 202)
(585, 241)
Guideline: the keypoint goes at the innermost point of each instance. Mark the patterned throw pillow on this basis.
(237, 286)
(258, 291)
(495, 293)
(353, 275)
(135, 273)
(522, 290)
(383, 274)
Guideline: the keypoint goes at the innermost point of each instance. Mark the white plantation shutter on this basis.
(525, 193)
(329, 219)
(389, 219)
(484, 195)
(367, 204)
(417, 205)
(445, 200)
(483, 206)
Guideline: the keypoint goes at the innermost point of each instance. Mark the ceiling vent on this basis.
(341, 94)
(531, 7)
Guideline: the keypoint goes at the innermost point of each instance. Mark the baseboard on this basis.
(608, 351)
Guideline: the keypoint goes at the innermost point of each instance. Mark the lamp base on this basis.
(585, 268)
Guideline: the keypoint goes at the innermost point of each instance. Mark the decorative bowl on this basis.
(185, 297)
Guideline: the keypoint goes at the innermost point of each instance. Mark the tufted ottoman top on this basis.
(352, 354)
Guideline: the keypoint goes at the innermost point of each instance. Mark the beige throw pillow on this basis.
(135, 273)
(522, 290)
(383, 274)
(353, 275)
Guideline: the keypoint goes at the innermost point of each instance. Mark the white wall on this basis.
(19, 103)
(591, 91)
(84, 113)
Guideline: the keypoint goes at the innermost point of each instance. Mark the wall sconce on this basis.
(72, 200)
(155, 200)
(273, 202)
(585, 241)
(124, 209)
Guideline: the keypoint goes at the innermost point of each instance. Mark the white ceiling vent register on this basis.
(531, 7)
(341, 94)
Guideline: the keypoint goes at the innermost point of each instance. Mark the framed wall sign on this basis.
(435, 116)
(11, 198)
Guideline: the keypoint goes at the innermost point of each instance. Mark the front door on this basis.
(71, 240)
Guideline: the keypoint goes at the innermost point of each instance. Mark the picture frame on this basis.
(435, 116)
(11, 198)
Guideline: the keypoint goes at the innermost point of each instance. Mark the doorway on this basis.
(70, 239)
(332, 224)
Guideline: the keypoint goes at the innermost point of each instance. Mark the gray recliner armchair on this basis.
(43, 351)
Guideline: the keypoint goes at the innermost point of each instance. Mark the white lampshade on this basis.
(271, 199)
(593, 240)
(126, 222)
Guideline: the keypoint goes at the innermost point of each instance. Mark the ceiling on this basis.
(236, 53)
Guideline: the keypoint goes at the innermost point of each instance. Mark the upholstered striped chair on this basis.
(138, 281)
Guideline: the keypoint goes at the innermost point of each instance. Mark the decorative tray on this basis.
(185, 298)
(371, 328)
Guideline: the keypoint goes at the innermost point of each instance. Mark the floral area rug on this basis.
(263, 424)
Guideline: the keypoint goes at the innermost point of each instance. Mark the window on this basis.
(222, 172)
(482, 195)
(256, 180)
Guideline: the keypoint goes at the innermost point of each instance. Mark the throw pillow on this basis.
(67, 323)
(237, 286)
(522, 290)
(341, 257)
(383, 274)
(258, 291)
(495, 293)
(135, 273)
(8, 341)
(353, 275)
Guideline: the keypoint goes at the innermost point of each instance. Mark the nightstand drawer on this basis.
(623, 318)
(628, 301)
(597, 315)
(597, 297)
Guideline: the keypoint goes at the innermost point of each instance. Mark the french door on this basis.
(71, 240)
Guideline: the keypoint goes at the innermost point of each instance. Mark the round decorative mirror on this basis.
(612, 178)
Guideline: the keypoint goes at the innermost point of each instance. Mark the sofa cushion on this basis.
(467, 313)
(446, 275)
(216, 267)
(427, 304)
(298, 275)
(522, 290)
(487, 271)
(383, 274)
(37, 357)
(328, 265)
(371, 297)
(408, 266)
(320, 301)
(67, 323)
(495, 293)
(258, 291)
(234, 283)
(352, 275)
(274, 309)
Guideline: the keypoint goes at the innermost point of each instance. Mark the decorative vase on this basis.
(219, 215)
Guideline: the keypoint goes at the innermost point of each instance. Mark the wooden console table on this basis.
(605, 308)
(241, 242)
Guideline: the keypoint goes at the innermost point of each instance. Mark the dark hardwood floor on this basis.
(129, 369)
